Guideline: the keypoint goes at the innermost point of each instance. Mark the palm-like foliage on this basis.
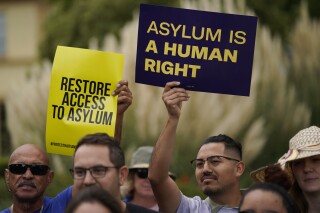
(284, 97)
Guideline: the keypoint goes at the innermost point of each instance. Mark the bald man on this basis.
(27, 177)
(28, 174)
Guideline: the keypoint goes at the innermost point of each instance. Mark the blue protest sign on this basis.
(205, 51)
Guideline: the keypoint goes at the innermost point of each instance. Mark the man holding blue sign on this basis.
(218, 166)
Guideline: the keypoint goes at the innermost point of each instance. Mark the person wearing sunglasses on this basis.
(27, 177)
(218, 166)
(29, 174)
(137, 189)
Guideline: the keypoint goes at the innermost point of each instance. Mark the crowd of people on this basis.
(103, 183)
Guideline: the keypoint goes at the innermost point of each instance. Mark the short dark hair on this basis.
(229, 143)
(287, 201)
(94, 194)
(116, 153)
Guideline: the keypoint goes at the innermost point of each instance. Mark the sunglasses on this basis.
(142, 173)
(21, 168)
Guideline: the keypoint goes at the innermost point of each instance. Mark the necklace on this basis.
(11, 208)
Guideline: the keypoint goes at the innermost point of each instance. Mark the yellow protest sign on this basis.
(80, 98)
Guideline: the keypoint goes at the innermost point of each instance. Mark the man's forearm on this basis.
(118, 128)
(163, 151)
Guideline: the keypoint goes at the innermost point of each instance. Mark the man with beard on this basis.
(99, 160)
(218, 166)
(28, 173)
(27, 177)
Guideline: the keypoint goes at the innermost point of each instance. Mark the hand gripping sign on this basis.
(205, 51)
(80, 100)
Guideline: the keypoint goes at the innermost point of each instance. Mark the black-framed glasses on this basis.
(142, 173)
(213, 160)
(96, 171)
(21, 168)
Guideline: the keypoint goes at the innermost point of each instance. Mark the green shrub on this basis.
(5, 200)
(3, 165)
(59, 183)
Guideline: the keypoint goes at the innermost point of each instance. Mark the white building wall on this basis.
(22, 27)
(23, 19)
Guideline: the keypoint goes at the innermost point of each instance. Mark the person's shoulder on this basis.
(66, 193)
(195, 199)
(60, 202)
(7, 210)
(193, 204)
(132, 208)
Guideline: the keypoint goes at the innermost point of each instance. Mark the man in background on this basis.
(99, 161)
(27, 177)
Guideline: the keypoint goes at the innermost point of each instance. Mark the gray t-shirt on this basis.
(197, 205)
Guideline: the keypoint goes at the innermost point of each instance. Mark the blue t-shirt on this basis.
(57, 204)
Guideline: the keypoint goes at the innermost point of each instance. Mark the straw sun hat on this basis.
(305, 143)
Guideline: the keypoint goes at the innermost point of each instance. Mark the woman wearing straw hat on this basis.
(302, 163)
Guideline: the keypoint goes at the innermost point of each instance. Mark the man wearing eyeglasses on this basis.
(28, 174)
(99, 160)
(218, 166)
